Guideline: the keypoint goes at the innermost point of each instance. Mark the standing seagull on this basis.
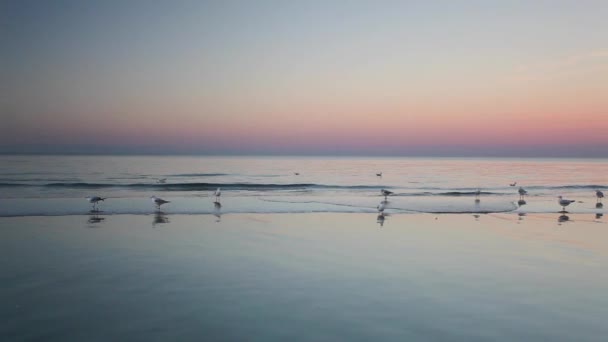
(564, 202)
(94, 200)
(599, 196)
(385, 193)
(522, 193)
(158, 201)
(217, 195)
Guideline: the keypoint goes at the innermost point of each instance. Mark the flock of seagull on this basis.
(158, 202)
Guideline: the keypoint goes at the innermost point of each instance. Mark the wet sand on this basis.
(307, 277)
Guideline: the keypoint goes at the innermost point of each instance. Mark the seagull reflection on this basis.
(598, 216)
(94, 218)
(476, 216)
(380, 219)
(521, 216)
(217, 211)
(160, 218)
(563, 218)
(521, 202)
(599, 205)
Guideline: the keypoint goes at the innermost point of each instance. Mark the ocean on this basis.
(58, 185)
(301, 257)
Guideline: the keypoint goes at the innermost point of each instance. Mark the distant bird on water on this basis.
(522, 193)
(513, 184)
(564, 202)
(94, 200)
(385, 193)
(161, 181)
(599, 196)
(158, 201)
(217, 195)
(379, 174)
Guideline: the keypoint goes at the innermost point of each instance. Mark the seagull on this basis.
(95, 200)
(217, 195)
(379, 174)
(513, 184)
(564, 202)
(385, 193)
(522, 193)
(158, 201)
(161, 181)
(599, 196)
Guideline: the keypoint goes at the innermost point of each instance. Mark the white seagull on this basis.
(522, 193)
(599, 196)
(158, 201)
(564, 202)
(94, 200)
(385, 193)
(217, 194)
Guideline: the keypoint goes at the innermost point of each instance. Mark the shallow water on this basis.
(57, 185)
(308, 277)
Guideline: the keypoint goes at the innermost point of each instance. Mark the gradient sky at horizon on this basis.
(478, 78)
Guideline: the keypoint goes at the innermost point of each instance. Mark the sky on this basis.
(420, 78)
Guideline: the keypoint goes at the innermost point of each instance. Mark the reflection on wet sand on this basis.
(217, 211)
(598, 216)
(380, 219)
(94, 218)
(160, 218)
(599, 205)
(521, 202)
(563, 218)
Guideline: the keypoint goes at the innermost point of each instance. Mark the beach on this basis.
(306, 276)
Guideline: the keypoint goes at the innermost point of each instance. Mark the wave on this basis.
(449, 194)
(194, 186)
(208, 186)
(199, 175)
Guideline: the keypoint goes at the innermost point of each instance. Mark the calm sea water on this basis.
(57, 185)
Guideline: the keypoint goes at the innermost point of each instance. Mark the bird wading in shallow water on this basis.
(94, 200)
(385, 193)
(522, 193)
(217, 194)
(158, 201)
(564, 202)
